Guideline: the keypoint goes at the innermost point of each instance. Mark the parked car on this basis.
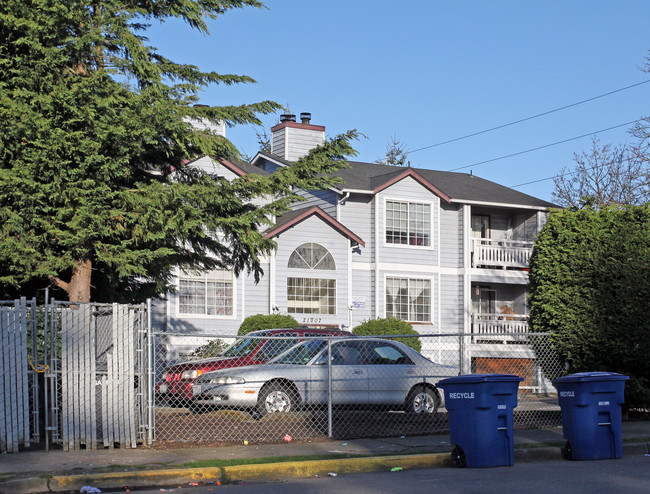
(364, 372)
(255, 348)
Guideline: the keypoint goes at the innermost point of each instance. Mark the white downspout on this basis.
(339, 204)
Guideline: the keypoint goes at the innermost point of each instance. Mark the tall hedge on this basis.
(590, 288)
(389, 327)
(270, 321)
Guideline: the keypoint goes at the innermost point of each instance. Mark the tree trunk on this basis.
(78, 289)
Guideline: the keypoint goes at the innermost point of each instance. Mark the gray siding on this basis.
(357, 214)
(451, 239)
(301, 141)
(277, 142)
(451, 304)
(324, 199)
(298, 142)
(256, 296)
(362, 296)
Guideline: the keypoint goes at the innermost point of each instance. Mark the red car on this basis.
(255, 348)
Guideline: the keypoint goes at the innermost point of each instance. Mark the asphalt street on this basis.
(629, 475)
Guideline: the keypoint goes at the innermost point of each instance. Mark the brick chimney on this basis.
(291, 140)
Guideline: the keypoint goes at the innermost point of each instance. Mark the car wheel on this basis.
(422, 400)
(458, 457)
(276, 398)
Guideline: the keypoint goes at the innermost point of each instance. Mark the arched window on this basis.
(307, 295)
(312, 256)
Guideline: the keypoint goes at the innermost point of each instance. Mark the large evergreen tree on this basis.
(97, 186)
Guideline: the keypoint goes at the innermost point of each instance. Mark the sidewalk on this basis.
(58, 471)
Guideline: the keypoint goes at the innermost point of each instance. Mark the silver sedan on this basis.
(363, 372)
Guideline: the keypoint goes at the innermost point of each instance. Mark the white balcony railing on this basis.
(503, 254)
(499, 327)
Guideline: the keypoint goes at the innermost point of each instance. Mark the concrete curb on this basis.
(266, 471)
(180, 476)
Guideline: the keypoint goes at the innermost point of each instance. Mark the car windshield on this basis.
(274, 347)
(241, 347)
(301, 354)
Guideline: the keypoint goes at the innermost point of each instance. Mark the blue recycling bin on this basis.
(480, 418)
(591, 414)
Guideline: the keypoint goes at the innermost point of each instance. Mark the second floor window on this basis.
(408, 223)
(208, 293)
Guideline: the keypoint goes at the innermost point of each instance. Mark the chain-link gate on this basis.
(97, 382)
(336, 386)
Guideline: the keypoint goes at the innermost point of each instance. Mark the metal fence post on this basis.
(150, 376)
(329, 387)
(461, 353)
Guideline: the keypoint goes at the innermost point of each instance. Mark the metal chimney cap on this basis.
(287, 117)
(305, 117)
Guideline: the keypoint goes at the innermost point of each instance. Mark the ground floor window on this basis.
(408, 299)
(207, 293)
(311, 296)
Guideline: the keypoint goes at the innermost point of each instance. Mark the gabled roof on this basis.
(292, 218)
(371, 178)
(270, 157)
(381, 182)
(451, 186)
(241, 168)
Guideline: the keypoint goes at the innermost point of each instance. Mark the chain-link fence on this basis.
(334, 386)
(86, 376)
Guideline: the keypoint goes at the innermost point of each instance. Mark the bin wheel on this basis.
(458, 457)
(567, 454)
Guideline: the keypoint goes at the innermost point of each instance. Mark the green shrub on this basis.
(211, 349)
(389, 327)
(261, 321)
(589, 289)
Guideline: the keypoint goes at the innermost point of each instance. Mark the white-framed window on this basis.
(408, 223)
(312, 256)
(408, 299)
(206, 293)
(311, 294)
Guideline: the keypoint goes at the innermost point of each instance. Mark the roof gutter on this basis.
(501, 204)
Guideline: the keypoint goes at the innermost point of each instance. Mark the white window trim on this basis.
(432, 285)
(432, 205)
(188, 315)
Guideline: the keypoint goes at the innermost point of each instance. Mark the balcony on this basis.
(500, 328)
(501, 254)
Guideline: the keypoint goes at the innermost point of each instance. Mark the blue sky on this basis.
(432, 71)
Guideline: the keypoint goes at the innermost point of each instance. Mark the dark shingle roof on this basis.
(458, 186)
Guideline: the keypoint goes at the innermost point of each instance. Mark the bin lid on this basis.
(480, 378)
(591, 376)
